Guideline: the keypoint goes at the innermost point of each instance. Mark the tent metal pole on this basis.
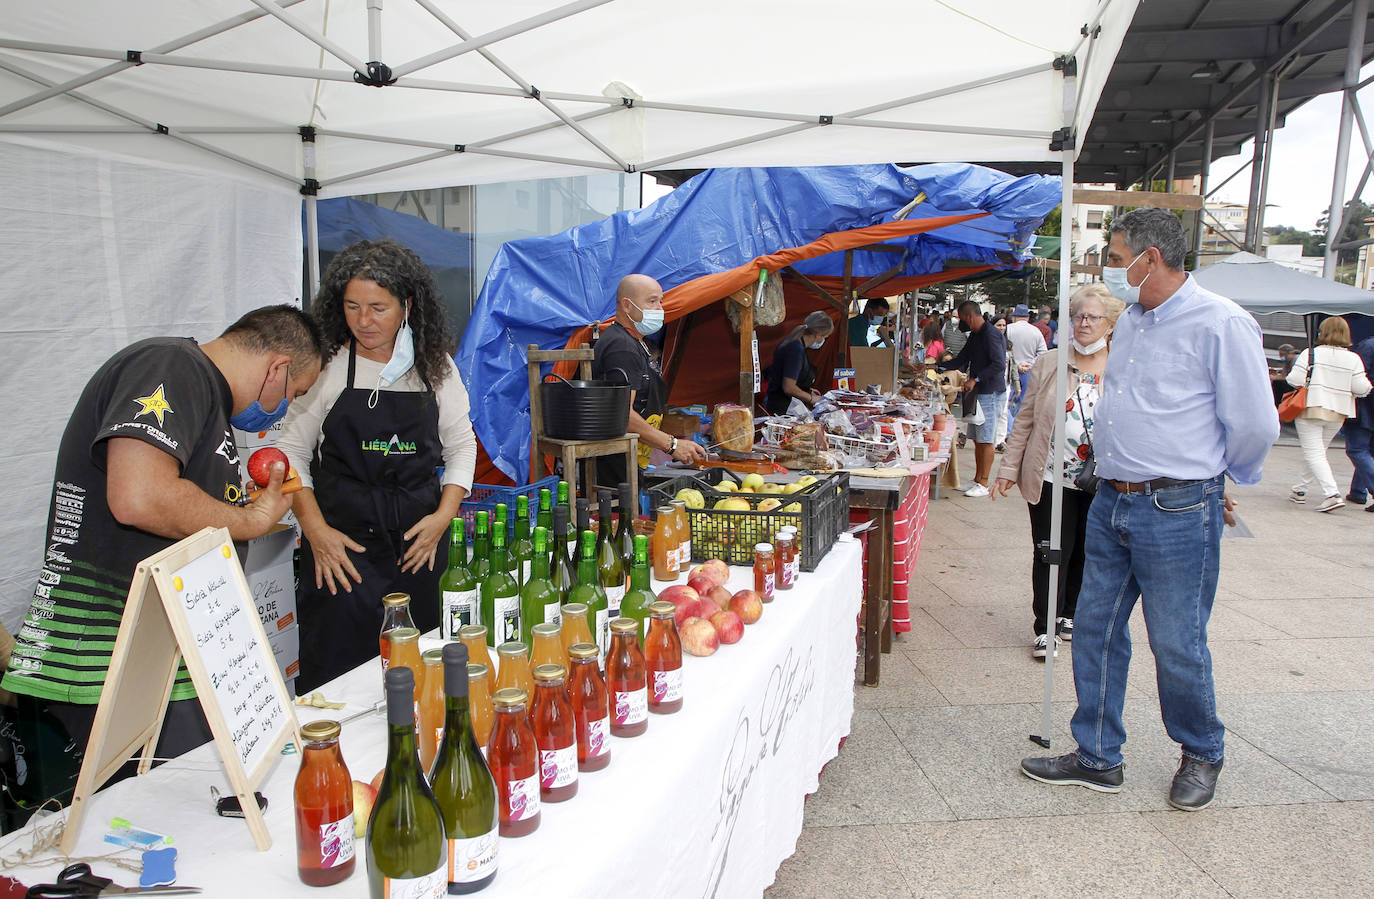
(388, 167)
(726, 145)
(312, 218)
(315, 37)
(374, 30)
(537, 129)
(852, 122)
(1204, 175)
(498, 34)
(1256, 167)
(449, 145)
(540, 157)
(1354, 52)
(953, 89)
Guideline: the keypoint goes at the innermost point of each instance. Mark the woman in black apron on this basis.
(791, 374)
(375, 515)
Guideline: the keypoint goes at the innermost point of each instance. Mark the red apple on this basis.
(701, 584)
(260, 464)
(690, 608)
(377, 781)
(729, 627)
(364, 795)
(715, 569)
(677, 593)
(698, 637)
(720, 596)
(748, 605)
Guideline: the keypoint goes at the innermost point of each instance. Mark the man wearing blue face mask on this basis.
(1187, 404)
(148, 458)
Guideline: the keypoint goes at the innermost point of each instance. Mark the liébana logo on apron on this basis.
(393, 447)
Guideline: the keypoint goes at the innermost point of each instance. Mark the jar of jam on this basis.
(794, 566)
(764, 571)
(325, 851)
(787, 552)
(625, 681)
(587, 691)
(514, 760)
(663, 659)
(555, 733)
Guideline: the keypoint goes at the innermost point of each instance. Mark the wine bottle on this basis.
(457, 588)
(625, 531)
(521, 549)
(406, 846)
(501, 522)
(539, 601)
(562, 571)
(608, 561)
(639, 596)
(500, 595)
(545, 517)
(590, 592)
(481, 550)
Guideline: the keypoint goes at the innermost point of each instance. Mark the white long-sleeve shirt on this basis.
(301, 432)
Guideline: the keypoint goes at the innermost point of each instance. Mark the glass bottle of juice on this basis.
(625, 681)
(639, 597)
(544, 518)
(500, 596)
(515, 667)
(589, 590)
(325, 852)
(431, 717)
(666, 567)
(521, 548)
(764, 571)
(406, 844)
(663, 660)
(395, 615)
(587, 693)
(514, 760)
(463, 785)
(479, 702)
(405, 653)
(546, 647)
(480, 566)
(539, 601)
(562, 571)
(684, 536)
(794, 566)
(575, 626)
(786, 550)
(625, 530)
(474, 637)
(608, 564)
(555, 733)
(457, 588)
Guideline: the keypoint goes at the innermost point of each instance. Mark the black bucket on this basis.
(585, 410)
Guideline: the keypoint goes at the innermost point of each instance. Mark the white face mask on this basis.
(1115, 279)
(818, 344)
(1091, 348)
(650, 319)
(402, 355)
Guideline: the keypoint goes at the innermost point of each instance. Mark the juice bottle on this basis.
(639, 597)
(431, 718)
(575, 626)
(782, 579)
(514, 760)
(395, 615)
(589, 591)
(325, 851)
(546, 647)
(587, 693)
(793, 568)
(609, 566)
(663, 660)
(666, 566)
(463, 785)
(764, 573)
(625, 682)
(479, 701)
(405, 653)
(515, 667)
(555, 733)
(684, 535)
(458, 604)
(474, 637)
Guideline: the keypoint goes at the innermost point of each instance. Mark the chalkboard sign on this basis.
(207, 616)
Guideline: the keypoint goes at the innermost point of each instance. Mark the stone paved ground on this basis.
(925, 799)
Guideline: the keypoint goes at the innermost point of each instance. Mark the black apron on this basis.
(776, 403)
(374, 479)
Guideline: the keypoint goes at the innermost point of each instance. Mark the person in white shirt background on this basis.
(1338, 377)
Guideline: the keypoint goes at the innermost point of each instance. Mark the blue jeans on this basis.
(1357, 439)
(1165, 546)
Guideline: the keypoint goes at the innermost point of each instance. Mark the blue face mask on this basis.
(818, 344)
(402, 355)
(651, 319)
(1115, 279)
(255, 417)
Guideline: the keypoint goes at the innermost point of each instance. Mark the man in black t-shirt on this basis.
(148, 458)
(621, 351)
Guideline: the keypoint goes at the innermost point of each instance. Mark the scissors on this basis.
(77, 880)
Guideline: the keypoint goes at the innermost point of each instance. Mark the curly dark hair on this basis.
(400, 272)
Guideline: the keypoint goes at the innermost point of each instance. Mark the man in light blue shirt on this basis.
(1185, 403)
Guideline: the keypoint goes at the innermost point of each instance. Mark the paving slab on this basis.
(970, 677)
(901, 685)
(845, 861)
(1327, 738)
(1316, 617)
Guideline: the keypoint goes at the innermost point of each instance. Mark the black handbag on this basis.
(1087, 479)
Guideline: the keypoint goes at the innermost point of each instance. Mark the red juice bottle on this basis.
(514, 762)
(625, 682)
(555, 733)
(587, 692)
(663, 660)
(325, 851)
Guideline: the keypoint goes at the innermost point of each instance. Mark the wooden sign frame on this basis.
(154, 637)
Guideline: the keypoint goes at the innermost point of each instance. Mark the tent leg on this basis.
(312, 220)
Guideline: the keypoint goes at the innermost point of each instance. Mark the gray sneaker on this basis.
(1067, 770)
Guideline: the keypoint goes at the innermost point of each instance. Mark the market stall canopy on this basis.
(353, 97)
(1262, 285)
(711, 236)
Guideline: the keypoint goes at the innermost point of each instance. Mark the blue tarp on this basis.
(345, 221)
(541, 289)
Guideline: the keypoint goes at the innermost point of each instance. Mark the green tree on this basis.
(1355, 229)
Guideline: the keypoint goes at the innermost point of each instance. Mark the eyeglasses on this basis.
(1087, 319)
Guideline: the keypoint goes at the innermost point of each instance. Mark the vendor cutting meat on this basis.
(792, 374)
(389, 408)
(622, 357)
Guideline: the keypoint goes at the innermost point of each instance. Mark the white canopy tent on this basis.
(289, 93)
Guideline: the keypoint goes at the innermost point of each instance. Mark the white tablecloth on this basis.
(708, 802)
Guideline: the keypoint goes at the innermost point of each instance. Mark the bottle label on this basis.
(525, 572)
(631, 707)
(684, 553)
(603, 634)
(553, 613)
(793, 569)
(598, 736)
(506, 610)
(614, 596)
(336, 842)
(431, 886)
(459, 610)
(438, 736)
(472, 859)
(558, 767)
(768, 583)
(523, 798)
(667, 685)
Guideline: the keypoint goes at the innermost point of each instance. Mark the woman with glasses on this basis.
(1027, 464)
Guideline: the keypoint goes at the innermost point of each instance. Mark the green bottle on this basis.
(584, 523)
(563, 499)
(590, 591)
(481, 550)
(625, 531)
(521, 549)
(457, 588)
(562, 571)
(500, 596)
(502, 523)
(406, 846)
(608, 561)
(539, 600)
(639, 596)
(463, 785)
(545, 519)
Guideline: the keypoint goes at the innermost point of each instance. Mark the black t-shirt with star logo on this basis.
(166, 392)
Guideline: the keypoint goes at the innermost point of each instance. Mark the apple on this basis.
(752, 483)
(768, 505)
(377, 781)
(720, 596)
(729, 627)
(698, 637)
(701, 584)
(691, 497)
(748, 605)
(717, 570)
(791, 507)
(733, 504)
(364, 795)
(260, 464)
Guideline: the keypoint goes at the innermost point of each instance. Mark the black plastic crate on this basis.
(730, 534)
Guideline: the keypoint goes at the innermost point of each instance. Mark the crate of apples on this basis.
(708, 614)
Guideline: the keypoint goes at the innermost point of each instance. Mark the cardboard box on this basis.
(872, 365)
(270, 568)
(286, 648)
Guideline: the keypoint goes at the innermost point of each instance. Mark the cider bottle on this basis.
(500, 524)
(463, 785)
(587, 693)
(609, 566)
(666, 567)
(575, 626)
(500, 596)
(521, 548)
(544, 518)
(479, 703)
(684, 536)
(514, 760)
(474, 637)
(395, 615)
(555, 733)
(481, 551)
(589, 590)
(431, 718)
(515, 667)
(625, 681)
(325, 851)
(539, 601)
(457, 588)
(639, 597)
(546, 647)
(663, 660)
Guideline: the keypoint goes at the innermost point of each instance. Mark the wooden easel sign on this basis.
(206, 616)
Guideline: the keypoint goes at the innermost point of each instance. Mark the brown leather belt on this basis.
(1151, 486)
